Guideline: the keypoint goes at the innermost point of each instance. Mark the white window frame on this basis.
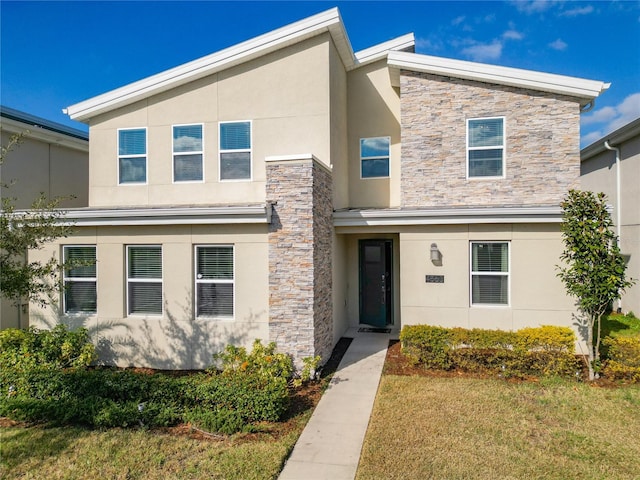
(235, 150)
(388, 157)
(473, 274)
(144, 280)
(66, 279)
(197, 281)
(503, 147)
(174, 153)
(146, 157)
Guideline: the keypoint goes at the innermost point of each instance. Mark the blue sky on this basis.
(55, 54)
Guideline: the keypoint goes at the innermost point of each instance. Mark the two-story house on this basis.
(612, 165)
(51, 160)
(289, 189)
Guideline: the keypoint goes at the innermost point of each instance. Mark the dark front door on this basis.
(375, 282)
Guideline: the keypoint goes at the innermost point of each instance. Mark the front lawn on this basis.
(76, 453)
(456, 427)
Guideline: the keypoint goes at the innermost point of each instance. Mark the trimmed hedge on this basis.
(623, 362)
(546, 350)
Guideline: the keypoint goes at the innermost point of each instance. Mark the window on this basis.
(187, 153)
(132, 156)
(490, 273)
(374, 157)
(485, 147)
(214, 281)
(144, 280)
(235, 151)
(79, 279)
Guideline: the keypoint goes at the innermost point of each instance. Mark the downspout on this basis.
(618, 202)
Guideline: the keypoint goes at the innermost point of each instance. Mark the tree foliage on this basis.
(593, 270)
(24, 230)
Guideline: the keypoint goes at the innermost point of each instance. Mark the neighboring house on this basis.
(53, 160)
(289, 189)
(612, 165)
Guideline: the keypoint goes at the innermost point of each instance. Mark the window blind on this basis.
(79, 279)
(235, 136)
(214, 281)
(132, 142)
(144, 280)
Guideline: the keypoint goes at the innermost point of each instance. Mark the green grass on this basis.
(462, 428)
(75, 453)
(617, 325)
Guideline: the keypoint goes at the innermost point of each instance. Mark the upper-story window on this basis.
(485, 147)
(374, 157)
(235, 151)
(187, 153)
(132, 155)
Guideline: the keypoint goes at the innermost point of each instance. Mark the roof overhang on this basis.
(446, 216)
(36, 130)
(630, 130)
(328, 21)
(585, 90)
(92, 217)
(378, 52)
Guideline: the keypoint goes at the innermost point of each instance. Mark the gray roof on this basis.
(32, 120)
(615, 138)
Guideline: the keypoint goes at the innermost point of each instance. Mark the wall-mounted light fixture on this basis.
(436, 256)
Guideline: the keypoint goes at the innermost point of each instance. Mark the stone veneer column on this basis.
(300, 255)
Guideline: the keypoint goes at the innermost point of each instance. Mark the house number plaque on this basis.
(435, 278)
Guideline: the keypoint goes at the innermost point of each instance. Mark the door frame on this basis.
(389, 280)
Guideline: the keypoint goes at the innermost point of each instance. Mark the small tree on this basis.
(24, 230)
(594, 270)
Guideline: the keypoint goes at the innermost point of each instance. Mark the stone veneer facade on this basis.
(300, 243)
(542, 160)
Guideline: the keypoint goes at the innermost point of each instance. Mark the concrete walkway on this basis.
(329, 447)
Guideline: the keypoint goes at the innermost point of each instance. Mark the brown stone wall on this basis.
(542, 143)
(300, 275)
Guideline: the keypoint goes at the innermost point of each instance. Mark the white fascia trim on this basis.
(447, 216)
(168, 216)
(515, 77)
(329, 20)
(380, 51)
(44, 135)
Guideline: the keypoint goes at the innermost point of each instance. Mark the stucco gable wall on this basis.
(542, 143)
(284, 94)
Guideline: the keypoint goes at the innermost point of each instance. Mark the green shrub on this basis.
(254, 396)
(55, 348)
(623, 361)
(263, 360)
(427, 345)
(546, 350)
(252, 386)
(217, 420)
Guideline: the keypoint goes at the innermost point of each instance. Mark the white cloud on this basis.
(599, 115)
(512, 34)
(611, 118)
(574, 12)
(591, 137)
(558, 44)
(533, 6)
(482, 52)
(426, 45)
(458, 20)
